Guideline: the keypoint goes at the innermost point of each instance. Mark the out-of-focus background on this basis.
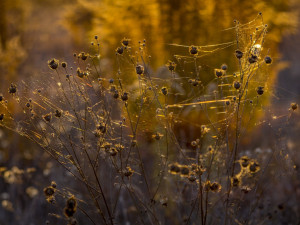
(33, 31)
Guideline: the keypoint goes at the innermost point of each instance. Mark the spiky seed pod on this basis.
(236, 84)
(238, 54)
(219, 73)
(53, 64)
(120, 50)
(139, 69)
(260, 90)
(268, 60)
(193, 50)
(12, 89)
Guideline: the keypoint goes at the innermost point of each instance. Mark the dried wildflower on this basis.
(236, 84)
(260, 90)
(215, 187)
(57, 113)
(174, 168)
(184, 170)
(254, 167)
(193, 50)
(1, 117)
(53, 63)
(125, 42)
(27, 104)
(268, 60)
(171, 66)
(227, 102)
(219, 72)
(239, 54)
(164, 90)
(128, 172)
(120, 50)
(83, 55)
(124, 96)
(12, 89)
(47, 117)
(64, 64)
(253, 59)
(294, 106)
(139, 69)
(224, 67)
(49, 191)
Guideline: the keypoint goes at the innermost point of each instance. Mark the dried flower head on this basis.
(268, 60)
(239, 54)
(294, 106)
(193, 50)
(224, 67)
(53, 64)
(1, 117)
(47, 117)
(184, 171)
(125, 42)
(49, 191)
(128, 172)
(164, 90)
(219, 72)
(171, 66)
(174, 168)
(124, 96)
(215, 187)
(260, 90)
(236, 84)
(12, 89)
(139, 69)
(120, 50)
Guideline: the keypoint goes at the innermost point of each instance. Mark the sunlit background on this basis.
(33, 31)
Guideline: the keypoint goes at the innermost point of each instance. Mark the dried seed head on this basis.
(96, 37)
(49, 191)
(101, 128)
(116, 94)
(1, 98)
(12, 89)
(219, 73)
(253, 59)
(139, 69)
(125, 42)
(171, 66)
(53, 64)
(294, 106)
(260, 90)
(236, 84)
(120, 50)
(71, 203)
(80, 73)
(235, 181)
(83, 55)
(254, 167)
(113, 152)
(244, 161)
(57, 113)
(239, 54)
(192, 178)
(124, 96)
(53, 184)
(193, 50)
(215, 187)
(128, 172)
(227, 102)
(268, 60)
(224, 67)
(64, 64)
(184, 170)
(69, 212)
(47, 117)
(1, 117)
(195, 82)
(174, 168)
(164, 90)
